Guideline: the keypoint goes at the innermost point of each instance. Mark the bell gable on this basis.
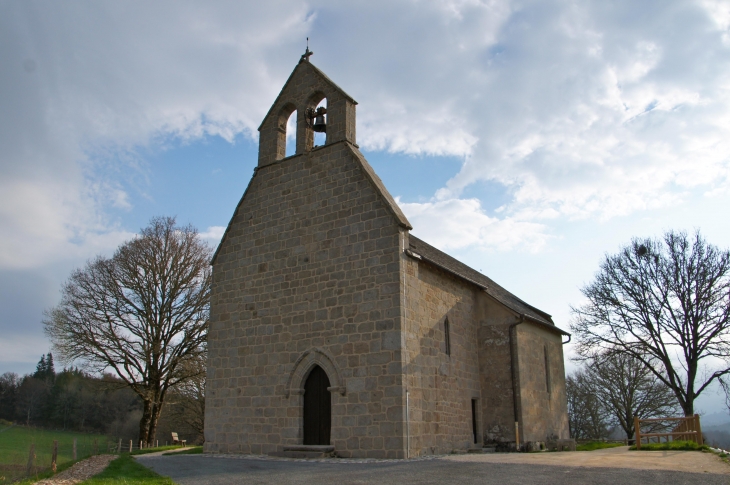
(306, 87)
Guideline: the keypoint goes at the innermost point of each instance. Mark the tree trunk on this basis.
(154, 418)
(689, 408)
(144, 423)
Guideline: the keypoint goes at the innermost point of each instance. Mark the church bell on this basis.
(320, 125)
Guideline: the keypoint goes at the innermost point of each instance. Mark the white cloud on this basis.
(719, 12)
(455, 224)
(580, 110)
(84, 85)
(214, 234)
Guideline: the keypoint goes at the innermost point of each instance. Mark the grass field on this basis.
(596, 445)
(195, 450)
(126, 471)
(15, 446)
(672, 445)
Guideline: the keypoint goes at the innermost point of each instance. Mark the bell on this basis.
(319, 124)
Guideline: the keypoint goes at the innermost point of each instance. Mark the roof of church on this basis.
(380, 187)
(430, 254)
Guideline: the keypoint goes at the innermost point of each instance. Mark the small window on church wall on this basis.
(547, 370)
(320, 138)
(291, 134)
(447, 337)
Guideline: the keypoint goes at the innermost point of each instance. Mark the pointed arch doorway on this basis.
(317, 408)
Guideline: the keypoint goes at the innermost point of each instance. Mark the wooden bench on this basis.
(176, 440)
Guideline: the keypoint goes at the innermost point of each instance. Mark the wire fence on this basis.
(21, 460)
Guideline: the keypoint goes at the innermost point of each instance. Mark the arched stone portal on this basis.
(303, 365)
(317, 408)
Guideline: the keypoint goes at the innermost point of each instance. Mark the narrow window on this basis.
(474, 419)
(447, 337)
(547, 370)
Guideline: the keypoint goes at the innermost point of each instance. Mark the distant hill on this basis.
(716, 428)
(715, 419)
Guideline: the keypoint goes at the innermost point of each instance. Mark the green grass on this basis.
(126, 471)
(196, 450)
(672, 446)
(596, 445)
(15, 445)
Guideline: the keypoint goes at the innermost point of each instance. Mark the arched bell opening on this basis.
(287, 133)
(317, 119)
(320, 124)
(317, 412)
(291, 135)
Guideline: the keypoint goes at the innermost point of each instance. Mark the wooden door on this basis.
(317, 408)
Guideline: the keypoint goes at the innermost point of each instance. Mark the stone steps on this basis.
(485, 449)
(305, 451)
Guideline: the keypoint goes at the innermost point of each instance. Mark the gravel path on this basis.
(459, 470)
(80, 471)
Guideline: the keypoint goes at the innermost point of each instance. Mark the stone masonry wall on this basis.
(544, 414)
(495, 369)
(440, 386)
(308, 268)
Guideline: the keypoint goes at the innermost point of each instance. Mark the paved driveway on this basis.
(218, 470)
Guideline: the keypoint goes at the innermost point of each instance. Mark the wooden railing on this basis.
(687, 429)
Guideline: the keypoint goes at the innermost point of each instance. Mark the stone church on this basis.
(333, 329)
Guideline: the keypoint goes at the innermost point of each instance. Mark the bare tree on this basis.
(141, 313)
(628, 388)
(587, 416)
(187, 400)
(666, 303)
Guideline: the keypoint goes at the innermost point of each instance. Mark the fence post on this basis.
(637, 432)
(74, 450)
(96, 448)
(698, 428)
(54, 456)
(130, 446)
(119, 449)
(31, 457)
(157, 443)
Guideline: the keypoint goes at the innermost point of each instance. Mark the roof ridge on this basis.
(490, 284)
(380, 187)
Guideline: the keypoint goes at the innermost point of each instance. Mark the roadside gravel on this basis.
(621, 457)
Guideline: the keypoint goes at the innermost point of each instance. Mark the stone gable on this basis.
(310, 264)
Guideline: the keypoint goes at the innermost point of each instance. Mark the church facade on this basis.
(333, 328)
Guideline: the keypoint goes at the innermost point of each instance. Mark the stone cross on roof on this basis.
(307, 53)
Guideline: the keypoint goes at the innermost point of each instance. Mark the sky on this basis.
(526, 138)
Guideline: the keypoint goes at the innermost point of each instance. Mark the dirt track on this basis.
(682, 461)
